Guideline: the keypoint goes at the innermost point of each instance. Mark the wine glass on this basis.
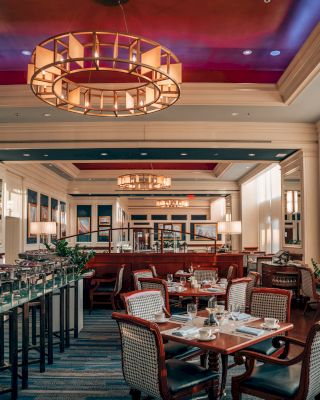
(170, 278)
(192, 311)
(183, 280)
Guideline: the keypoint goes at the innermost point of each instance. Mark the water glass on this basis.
(170, 278)
(235, 311)
(192, 310)
(183, 280)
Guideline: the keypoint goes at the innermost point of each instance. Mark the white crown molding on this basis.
(67, 167)
(221, 168)
(303, 68)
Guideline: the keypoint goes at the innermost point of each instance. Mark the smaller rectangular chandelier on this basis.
(144, 182)
(171, 203)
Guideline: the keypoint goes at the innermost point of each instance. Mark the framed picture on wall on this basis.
(103, 231)
(105, 220)
(205, 229)
(44, 213)
(32, 217)
(177, 227)
(84, 225)
(168, 234)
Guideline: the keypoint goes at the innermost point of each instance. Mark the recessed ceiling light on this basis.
(143, 154)
(267, 1)
(280, 155)
(216, 154)
(275, 53)
(247, 167)
(251, 154)
(247, 52)
(183, 154)
(26, 52)
(103, 154)
(234, 114)
(26, 155)
(45, 155)
(47, 115)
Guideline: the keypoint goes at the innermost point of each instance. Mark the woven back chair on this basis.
(255, 281)
(140, 273)
(202, 274)
(144, 303)
(295, 378)
(236, 293)
(309, 288)
(157, 284)
(271, 303)
(146, 370)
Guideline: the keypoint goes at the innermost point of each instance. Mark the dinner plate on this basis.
(265, 326)
(208, 339)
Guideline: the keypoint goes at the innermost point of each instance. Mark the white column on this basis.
(235, 216)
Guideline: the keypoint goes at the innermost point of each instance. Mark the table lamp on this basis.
(43, 228)
(230, 227)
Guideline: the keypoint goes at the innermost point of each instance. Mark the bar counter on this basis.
(165, 263)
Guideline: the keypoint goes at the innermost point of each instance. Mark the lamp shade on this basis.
(230, 227)
(43, 228)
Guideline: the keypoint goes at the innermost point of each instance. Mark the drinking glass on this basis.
(192, 311)
(235, 311)
(183, 280)
(170, 278)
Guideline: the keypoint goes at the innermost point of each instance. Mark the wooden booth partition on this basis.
(107, 264)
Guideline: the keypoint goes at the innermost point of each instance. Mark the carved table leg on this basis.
(214, 365)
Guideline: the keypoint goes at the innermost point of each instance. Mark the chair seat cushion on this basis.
(264, 347)
(275, 379)
(183, 375)
(179, 350)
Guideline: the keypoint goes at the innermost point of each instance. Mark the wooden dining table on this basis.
(224, 344)
(197, 293)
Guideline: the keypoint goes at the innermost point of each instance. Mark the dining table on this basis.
(196, 293)
(226, 339)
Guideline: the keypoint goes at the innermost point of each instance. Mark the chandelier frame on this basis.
(143, 182)
(57, 60)
(172, 203)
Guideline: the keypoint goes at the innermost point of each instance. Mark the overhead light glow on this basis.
(26, 52)
(280, 155)
(26, 155)
(275, 53)
(251, 154)
(247, 52)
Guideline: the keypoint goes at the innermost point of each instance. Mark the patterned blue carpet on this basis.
(90, 369)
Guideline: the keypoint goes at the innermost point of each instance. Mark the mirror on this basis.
(292, 208)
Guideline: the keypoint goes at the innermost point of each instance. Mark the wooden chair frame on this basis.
(316, 296)
(238, 382)
(162, 371)
(96, 282)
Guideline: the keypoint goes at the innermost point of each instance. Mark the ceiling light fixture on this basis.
(280, 155)
(275, 53)
(171, 203)
(103, 154)
(64, 71)
(234, 114)
(251, 154)
(26, 52)
(247, 52)
(183, 154)
(143, 154)
(26, 155)
(142, 181)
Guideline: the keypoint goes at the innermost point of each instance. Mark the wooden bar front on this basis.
(109, 263)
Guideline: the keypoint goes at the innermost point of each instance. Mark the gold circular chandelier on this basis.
(171, 203)
(144, 182)
(80, 71)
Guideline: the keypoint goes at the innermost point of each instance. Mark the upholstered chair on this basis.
(140, 273)
(202, 274)
(107, 289)
(159, 284)
(255, 281)
(309, 287)
(146, 370)
(295, 378)
(270, 303)
(145, 304)
(237, 292)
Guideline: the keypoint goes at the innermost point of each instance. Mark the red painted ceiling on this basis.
(208, 36)
(147, 166)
